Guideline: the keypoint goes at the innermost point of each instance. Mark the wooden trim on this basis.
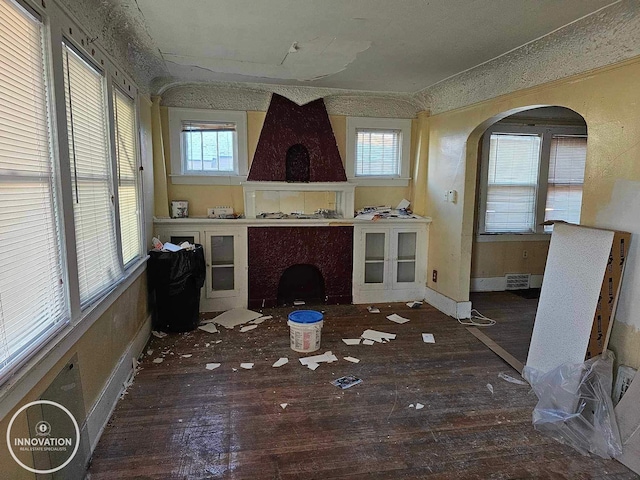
(497, 349)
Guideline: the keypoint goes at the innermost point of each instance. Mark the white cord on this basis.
(476, 315)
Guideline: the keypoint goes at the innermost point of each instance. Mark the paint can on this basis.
(305, 328)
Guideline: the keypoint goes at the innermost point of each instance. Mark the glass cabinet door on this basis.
(406, 258)
(222, 263)
(374, 257)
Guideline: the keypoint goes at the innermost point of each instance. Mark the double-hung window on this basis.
(91, 176)
(531, 174)
(378, 151)
(32, 285)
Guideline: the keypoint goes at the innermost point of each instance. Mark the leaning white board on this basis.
(573, 276)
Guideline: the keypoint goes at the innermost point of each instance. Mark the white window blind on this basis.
(128, 186)
(512, 183)
(96, 245)
(32, 294)
(566, 178)
(378, 152)
(209, 147)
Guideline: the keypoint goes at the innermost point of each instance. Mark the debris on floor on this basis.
(377, 336)
(237, 316)
(298, 303)
(373, 309)
(367, 342)
(284, 405)
(246, 328)
(312, 362)
(212, 366)
(246, 366)
(490, 388)
(351, 341)
(312, 365)
(158, 360)
(428, 338)
(150, 352)
(258, 321)
(281, 361)
(187, 355)
(397, 318)
(209, 328)
(346, 382)
(510, 379)
(414, 304)
(352, 359)
(419, 406)
(158, 334)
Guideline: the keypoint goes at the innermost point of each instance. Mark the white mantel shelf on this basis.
(288, 222)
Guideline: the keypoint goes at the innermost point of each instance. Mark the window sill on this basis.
(379, 181)
(207, 179)
(513, 237)
(29, 374)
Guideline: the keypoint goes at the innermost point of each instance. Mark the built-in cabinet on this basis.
(389, 263)
(389, 257)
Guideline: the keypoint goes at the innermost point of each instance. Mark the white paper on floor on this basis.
(373, 309)
(158, 334)
(326, 357)
(158, 360)
(235, 317)
(397, 318)
(419, 406)
(212, 366)
(312, 365)
(209, 328)
(352, 359)
(284, 405)
(246, 366)
(351, 341)
(428, 338)
(411, 406)
(187, 355)
(377, 336)
(246, 328)
(414, 304)
(281, 361)
(368, 342)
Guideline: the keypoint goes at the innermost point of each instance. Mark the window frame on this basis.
(178, 175)
(370, 123)
(546, 133)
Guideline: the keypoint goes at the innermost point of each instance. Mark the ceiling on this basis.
(371, 45)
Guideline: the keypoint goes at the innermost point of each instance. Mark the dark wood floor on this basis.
(181, 421)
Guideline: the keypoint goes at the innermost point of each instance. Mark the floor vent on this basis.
(517, 281)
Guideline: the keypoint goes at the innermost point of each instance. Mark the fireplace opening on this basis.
(297, 164)
(301, 282)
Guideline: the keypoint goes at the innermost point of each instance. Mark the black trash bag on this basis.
(175, 280)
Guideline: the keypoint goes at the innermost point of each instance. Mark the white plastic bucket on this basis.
(305, 329)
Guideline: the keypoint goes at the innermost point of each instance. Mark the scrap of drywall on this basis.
(628, 417)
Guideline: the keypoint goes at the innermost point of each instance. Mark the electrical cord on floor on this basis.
(477, 320)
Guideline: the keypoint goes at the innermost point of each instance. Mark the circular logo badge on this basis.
(44, 438)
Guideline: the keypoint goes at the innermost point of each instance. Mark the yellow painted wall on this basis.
(99, 351)
(609, 101)
(201, 197)
(496, 259)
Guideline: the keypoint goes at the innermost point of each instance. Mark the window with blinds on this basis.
(128, 186)
(208, 147)
(87, 123)
(32, 294)
(512, 183)
(378, 152)
(566, 177)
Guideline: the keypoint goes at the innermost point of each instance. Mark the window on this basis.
(128, 185)
(531, 174)
(208, 146)
(91, 175)
(378, 151)
(32, 293)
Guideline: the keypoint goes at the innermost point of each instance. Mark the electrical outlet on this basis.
(525, 254)
(434, 276)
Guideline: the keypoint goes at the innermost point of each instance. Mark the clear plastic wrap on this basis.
(575, 406)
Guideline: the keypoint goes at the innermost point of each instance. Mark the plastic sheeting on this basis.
(575, 406)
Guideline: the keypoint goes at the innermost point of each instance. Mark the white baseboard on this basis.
(103, 408)
(447, 305)
(499, 284)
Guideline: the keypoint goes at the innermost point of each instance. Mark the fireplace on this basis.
(301, 282)
(274, 250)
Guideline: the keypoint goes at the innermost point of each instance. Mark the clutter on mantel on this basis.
(402, 211)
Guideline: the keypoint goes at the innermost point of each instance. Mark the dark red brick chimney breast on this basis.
(289, 125)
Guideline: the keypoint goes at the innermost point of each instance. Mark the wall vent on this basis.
(517, 281)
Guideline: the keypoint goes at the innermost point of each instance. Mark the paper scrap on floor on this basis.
(397, 318)
(212, 366)
(428, 338)
(373, 309)
(209, 328)
(312, 365)
(346, 382)
(366, 341)
(352, 359)
(158, 360)
(235, 317)
(419, 406)
(246, 366)
(377, 336)
(326, 357)
(351, 341)
(414, 304)
(284, 405)
(281, 361)
(246, 328)
(187, 355)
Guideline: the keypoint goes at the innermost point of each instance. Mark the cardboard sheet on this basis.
(573, 275)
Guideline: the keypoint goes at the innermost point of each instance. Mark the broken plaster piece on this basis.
(377, 336)
(428, 338)
(158, 360)
(368, 342)
(414, 304)
(284, 405)
(511, 379)
(352, 359)
(281, 361)
(158, 334)
(490, 388)
(373, 309)
(397, 318)
(351, 341)
(209, 328)
(246, 328)
(235, 317)
(327, 357)
(187, 355)
(150, 352)
(312, 365)
(298, 303)
(246, 366)
(212, 366)
(419, 406)
(411, 406)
